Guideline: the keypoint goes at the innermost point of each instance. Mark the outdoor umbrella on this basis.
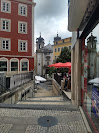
(55, 65)
(67, 64)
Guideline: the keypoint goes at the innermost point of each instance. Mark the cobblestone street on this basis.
(26, 121)
(54, 115)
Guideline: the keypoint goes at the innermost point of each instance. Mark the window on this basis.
(22, 27)
(14, 66)
(39, 46)
(6, 25)
(22, 46)
(5, 44)
(24, 66)
(22, 10)
(69, 47)
(63, 41)
(90, 75)
(58, 49)
(55, 49)
(6, 6)
(47, 62)
(61, 48)
(3, 65)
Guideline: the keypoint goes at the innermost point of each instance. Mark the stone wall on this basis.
(56, 88)
(19, 94)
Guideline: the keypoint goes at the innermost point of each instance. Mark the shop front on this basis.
(90, 77)
(83, 22)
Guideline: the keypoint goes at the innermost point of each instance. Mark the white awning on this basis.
(94, 81)
(39, 78)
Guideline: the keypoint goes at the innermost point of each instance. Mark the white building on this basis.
(44, 56)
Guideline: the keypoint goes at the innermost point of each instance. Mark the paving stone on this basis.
(4, 128)
(23, 120)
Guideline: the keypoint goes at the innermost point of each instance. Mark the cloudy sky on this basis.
(51, 16)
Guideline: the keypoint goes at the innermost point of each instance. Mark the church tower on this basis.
(91, 45)
(39, 43)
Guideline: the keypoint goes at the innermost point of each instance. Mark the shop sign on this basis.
(95, 101)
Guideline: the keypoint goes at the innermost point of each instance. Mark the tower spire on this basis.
(57, 33)
(40, 34)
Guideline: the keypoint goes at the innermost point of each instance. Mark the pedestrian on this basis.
(66, 82)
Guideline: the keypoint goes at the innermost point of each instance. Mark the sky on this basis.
(51, 16)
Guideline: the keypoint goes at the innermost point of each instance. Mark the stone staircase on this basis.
(45, 96)
(46, 100)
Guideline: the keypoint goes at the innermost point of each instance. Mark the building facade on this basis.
(44, 56)
(16, 36)
(85, 58)
(59, 44)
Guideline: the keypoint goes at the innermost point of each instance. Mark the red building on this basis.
(16, 35)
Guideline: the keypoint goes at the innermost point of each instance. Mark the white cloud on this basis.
(50, 18)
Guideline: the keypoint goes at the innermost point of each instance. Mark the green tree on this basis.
(52, 70)
(65, 56)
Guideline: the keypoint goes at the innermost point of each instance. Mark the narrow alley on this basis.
(44, 113)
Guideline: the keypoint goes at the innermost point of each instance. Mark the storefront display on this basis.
(90, 77)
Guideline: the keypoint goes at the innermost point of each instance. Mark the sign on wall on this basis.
(95, 101)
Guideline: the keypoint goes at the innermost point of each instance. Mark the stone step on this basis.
(41, 107)
(47, 98)
(44, 103)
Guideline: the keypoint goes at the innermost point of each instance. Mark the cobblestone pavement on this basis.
(26, 121)
(58, 117)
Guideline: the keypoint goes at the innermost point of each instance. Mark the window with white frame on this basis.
(3, 65)
(22, 10)
(55, 49)
(22, 27)
(14, 65)
(22, 46)
(5, 25)
(58, 49)
(5, 6)
(24, 66)
(5, 44)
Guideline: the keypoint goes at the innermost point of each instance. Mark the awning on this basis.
(55, 65)
(61, 65)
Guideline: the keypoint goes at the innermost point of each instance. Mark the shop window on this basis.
(24, 66)
(90, 75)
(3, 65)
(14, 66)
